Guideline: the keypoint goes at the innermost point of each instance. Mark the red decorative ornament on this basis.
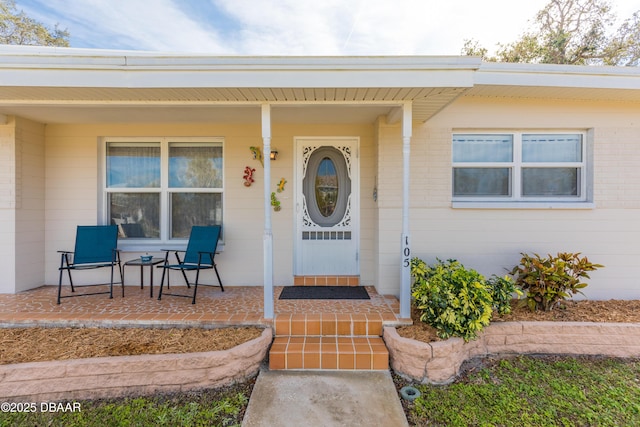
(248, 176)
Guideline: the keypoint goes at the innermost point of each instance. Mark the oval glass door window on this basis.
(326, 187)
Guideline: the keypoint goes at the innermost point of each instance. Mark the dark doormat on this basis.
(324, 292)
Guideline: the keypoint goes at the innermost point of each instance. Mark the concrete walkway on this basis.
(324, 399)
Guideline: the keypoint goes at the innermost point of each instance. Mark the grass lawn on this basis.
(534, 391)
(216, 407)
(519, 391)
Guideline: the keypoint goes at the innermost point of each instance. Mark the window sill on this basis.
(523, 205)
(157, 247)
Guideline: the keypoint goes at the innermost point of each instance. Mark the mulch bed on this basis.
(20, 345)
(612, 311)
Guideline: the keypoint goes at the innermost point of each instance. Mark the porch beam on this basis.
(198, 103)
(395, 115)
(405, 247)
(268, 234)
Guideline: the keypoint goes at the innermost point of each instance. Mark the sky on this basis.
(292, 27)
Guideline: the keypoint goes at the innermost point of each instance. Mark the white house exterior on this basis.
(437, 157)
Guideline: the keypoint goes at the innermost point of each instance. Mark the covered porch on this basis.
(71, 100)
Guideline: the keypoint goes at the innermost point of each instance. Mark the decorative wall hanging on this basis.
(275, 202)
(281, 185)
(248, 176)
(257, 154)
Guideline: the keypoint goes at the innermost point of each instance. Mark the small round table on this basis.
(142, 264)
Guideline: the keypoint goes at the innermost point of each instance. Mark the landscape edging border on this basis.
(117, 376)
(439, 362)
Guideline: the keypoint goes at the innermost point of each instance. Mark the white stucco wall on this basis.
(7, 206)
(21, 205)
(30, 214)
(72, 192)
(490, 240)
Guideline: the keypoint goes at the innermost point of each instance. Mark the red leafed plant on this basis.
(547, 281)
(248, 176)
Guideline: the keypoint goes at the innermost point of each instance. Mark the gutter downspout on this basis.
(268, 234)
(405, 275)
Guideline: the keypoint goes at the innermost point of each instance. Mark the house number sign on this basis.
(406, 251)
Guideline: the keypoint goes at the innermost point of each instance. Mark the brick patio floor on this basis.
(237, 305)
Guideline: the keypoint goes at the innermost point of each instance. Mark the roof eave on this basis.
(550, 75)
(97, 68)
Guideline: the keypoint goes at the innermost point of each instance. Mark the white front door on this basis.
(327, 209)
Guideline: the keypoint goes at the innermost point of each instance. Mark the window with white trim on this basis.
(156, 189)
(519, 166)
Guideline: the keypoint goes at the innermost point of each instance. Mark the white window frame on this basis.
(516, 200)
(165, 241)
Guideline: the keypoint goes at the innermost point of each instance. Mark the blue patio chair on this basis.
(96, 247)
(200, 254)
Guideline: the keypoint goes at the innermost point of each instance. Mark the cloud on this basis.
(292, 27)
(158, 25)
(356, 27)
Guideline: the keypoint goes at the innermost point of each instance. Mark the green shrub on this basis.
(454, 300)
(502, 291)
(547, 281)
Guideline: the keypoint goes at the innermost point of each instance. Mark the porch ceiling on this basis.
(195, 114)
(291, 105)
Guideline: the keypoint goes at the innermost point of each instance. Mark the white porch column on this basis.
(268, 234)
(405, 275)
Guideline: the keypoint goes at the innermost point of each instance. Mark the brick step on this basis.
(328, 324)
(326, 280)
(322, 352)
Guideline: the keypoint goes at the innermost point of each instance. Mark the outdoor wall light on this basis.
(273, 155)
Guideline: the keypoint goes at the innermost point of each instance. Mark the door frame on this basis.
(332, 141)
